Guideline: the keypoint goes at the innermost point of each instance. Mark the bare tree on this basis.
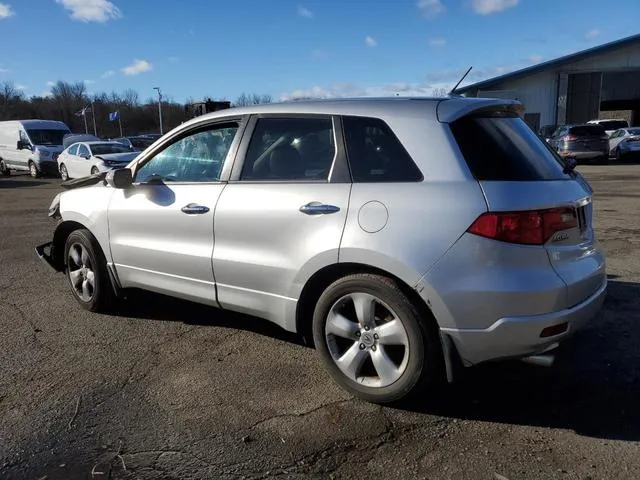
(9, 96)
(245, 100)
(440, 92)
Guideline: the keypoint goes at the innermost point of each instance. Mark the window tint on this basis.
(73, 149)
(587, 130)
(108, 148)
(290, 149)
(83, 150)
(505, 149)
(375, 154)
(198, 157)
(613, 124)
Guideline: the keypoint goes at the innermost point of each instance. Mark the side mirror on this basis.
(85, 156)
(22, 145)
(120, 178)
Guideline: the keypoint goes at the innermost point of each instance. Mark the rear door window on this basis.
(375, 154)
(504, 148)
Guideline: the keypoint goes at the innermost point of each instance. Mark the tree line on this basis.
(67, 100)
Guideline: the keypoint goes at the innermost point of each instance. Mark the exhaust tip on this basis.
(540, 360)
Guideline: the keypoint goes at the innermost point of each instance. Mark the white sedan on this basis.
(624, 141)
(88, 158)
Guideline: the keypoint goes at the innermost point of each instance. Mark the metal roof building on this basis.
(600, 82)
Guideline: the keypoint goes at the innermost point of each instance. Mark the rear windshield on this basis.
(613, 124)
(587, 130)
(108, 148)
(504, 148)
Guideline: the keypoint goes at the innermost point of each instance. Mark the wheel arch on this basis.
(320, 280)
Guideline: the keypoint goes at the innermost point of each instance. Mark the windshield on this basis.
(107, 148)
(613, 124)
(46, 136)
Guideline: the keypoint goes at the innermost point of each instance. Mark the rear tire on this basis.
(86, 271)
(33, 170)
(64, 174)
(4, 170)
(374, 341)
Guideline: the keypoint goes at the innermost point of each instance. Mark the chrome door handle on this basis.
(317, 208)
(194, 209)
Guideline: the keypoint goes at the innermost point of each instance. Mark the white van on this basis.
(31, 145)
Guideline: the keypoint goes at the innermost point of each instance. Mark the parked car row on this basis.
(592, 142)
(48, 147)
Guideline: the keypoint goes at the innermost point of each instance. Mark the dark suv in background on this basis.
(587, 143)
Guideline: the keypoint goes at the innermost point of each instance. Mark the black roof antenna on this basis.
(453, 90)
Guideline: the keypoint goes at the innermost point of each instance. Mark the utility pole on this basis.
(93, 112)
(159, 107)
(84, 116)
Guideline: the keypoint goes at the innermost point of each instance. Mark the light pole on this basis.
(159, 107)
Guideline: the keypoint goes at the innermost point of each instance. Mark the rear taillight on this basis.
(533, 227)
(569, 138)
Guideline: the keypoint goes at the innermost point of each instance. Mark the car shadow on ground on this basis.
(152, 306)
(593, 388)
(8, 183)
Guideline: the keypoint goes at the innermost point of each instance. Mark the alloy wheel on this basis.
(81, 274)
(367, 340)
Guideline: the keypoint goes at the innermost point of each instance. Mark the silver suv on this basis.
(404, 236)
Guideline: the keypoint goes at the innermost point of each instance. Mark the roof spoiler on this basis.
(451, 109)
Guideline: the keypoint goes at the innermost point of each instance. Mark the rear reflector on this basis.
(554, 330)
(534, 227)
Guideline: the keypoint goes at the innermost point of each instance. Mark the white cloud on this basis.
(430, 8)
(487, 7)
(50, 83)
(89, 82)
(370, 41)
(91, 10)
(19, 86)
(305, 12)
(437, 42)
(352, 90)
(6, 11)
(591, 34)
(535, 59)
(46, 93)
(137, 67)
(108, 73)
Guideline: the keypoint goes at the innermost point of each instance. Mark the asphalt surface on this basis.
(172, 390)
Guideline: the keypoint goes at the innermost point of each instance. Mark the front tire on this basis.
(618, 155)
(33, 170)
(374, 341)
(4, 170)
(86, 270)
(64, 174)
(95, 171)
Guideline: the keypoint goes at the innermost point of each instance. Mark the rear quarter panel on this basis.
(404, 228)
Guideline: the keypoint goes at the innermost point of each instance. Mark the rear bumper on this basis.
(517, 337)
(582, 155)
(48, 168)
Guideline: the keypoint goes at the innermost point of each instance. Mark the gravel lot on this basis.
(169, 389)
